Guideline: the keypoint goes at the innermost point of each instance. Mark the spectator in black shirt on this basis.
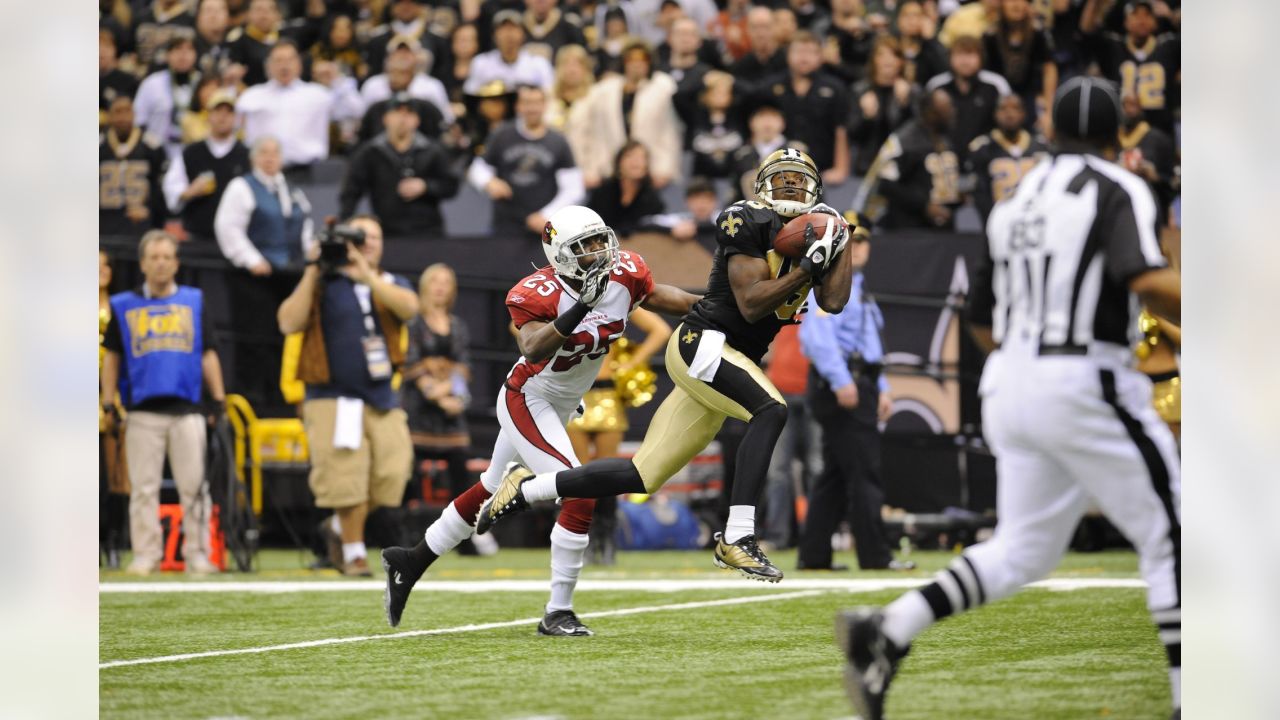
(547, 29)
(249, 46)
(767, 126)
(163, 21)
(916, 173)
(399, 80)
(198, 175)
(527, 169)
(683, 60)
(628, 201)
(816, 107)
(405, 175)
(213, 55)
(408, 18)
(811, 16)
(848, 44)
(998, 160)
(765, 58)
(1141, 61)
(130, 167)
(716, 130)
(925, 56)
(974, 92)
(882, 102)
(1023, 54)
(1148, 152)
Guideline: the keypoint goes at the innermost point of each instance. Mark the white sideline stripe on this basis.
(667, 586)
(458, 629)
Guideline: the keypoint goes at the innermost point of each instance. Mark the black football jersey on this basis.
(997, 165)
(746, 228)
(1153, 72)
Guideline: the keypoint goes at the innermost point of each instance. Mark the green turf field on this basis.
(1083, 653)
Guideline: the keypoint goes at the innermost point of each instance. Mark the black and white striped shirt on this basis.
(1062, 251)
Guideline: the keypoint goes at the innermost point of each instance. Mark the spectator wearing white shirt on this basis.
(508, 61)
(406, 71)
(263, 227)
(288, 108)
(164, 97)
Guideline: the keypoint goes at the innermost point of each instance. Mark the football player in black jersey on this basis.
(713, 359)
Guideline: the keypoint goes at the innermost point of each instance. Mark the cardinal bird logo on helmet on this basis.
(548, 233)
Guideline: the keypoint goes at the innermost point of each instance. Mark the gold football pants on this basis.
(688, 420)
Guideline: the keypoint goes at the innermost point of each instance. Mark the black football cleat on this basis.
(400, 582)
(872, 659)
(746, 557)
(563, 623)
(506, 500)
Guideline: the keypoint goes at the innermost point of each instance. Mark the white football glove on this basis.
(595, 283)
(824, 208)
(819, 251)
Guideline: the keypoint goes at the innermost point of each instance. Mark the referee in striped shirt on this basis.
(1067, 416)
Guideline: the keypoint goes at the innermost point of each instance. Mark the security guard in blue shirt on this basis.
(849, 396)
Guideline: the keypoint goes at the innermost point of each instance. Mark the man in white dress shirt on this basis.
(508, 61)
(289, 108)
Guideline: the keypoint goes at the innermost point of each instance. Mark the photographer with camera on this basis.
(263, 226)
(351, 315)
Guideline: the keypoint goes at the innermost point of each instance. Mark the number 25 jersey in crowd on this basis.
(542, 297)
(746, 228)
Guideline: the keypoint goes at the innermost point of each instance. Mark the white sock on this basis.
(1175, 684)
(353, 551)
(491, 478)
(335, 523)
(907, 617)
(447, 531)
(541, 487)
(567, 552)
(742, 522)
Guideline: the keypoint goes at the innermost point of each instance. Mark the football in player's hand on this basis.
(789, 241)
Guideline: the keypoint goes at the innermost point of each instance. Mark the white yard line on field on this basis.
(587, 585)
(453, 630)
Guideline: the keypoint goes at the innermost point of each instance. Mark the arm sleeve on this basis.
(526, 305)
(1127, 222)
(479, 173)
(737, 234)
(231, 224)
(818, 341)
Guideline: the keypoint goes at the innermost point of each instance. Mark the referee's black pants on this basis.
(849, 485)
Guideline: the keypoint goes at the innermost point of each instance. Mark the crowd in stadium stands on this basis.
(214, 115)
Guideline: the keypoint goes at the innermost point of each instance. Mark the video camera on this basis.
(333, 241)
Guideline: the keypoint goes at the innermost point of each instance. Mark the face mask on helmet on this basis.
(788, 183)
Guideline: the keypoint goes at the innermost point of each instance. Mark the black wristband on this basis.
(566, 323)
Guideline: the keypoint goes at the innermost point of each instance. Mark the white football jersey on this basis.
(542, 297)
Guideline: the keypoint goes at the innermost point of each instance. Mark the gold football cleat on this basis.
(746, 557)
(506, 500)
